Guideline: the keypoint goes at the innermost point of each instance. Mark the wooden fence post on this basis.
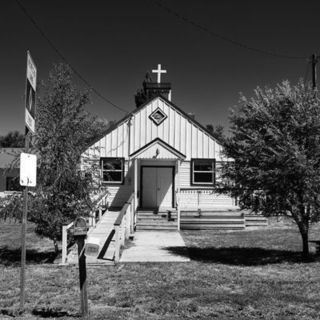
(64, 244)
(117, 245)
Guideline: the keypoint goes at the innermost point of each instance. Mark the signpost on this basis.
(27, 164)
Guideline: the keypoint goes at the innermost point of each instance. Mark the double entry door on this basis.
(157, 186)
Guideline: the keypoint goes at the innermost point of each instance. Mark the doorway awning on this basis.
(157, 149)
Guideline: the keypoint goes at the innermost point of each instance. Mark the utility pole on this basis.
(314, 61)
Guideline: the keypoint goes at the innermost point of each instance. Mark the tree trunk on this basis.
(56, 247)
(303, 225)
(305, 244)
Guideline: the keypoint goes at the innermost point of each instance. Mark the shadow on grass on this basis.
(241, 256)
(50, 313)
(44, 313)
(12, 257)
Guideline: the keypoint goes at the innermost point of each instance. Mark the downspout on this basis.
(129, 135)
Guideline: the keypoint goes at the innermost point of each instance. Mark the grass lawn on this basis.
(254, 274)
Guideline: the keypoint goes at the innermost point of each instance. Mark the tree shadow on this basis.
(240, 256)
(12, 257)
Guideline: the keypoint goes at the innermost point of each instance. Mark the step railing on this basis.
(94, 216)
(198, 198)
(124, 226)
(99, 205)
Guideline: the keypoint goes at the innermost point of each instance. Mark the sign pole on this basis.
(30, 108)
(23, 237)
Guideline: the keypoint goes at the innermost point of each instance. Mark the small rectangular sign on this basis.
(31, 71)
(30, 107)
(28, 170)
(29, 121)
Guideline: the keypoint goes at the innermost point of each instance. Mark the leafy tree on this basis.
(275, 144)
(64, 130)
(217, 132)
(13, 139)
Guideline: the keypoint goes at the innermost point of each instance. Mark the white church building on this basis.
(163, 157)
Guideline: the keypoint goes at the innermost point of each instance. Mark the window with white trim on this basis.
(202, 171)
(112, 170)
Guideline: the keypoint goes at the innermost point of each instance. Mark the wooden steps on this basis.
(154, 220)
(212, 220)
(231, 219)
(253, 220)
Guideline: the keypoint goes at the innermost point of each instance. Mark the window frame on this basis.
(192, 171)
(102, 159)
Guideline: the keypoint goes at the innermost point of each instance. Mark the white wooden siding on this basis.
(177, 130)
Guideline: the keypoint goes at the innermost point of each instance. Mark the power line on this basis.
(58, 52)
(222, 37)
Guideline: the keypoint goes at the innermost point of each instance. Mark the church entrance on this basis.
(157, 187)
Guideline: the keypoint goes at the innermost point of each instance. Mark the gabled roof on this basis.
(133, 112)
(158, 143)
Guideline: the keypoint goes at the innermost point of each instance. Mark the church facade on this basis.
(161, 155)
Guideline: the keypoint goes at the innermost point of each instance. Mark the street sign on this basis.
(28, 170)
(30, 103)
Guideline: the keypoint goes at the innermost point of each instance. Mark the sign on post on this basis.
(28, 170)
(31, 85)
(28, 164)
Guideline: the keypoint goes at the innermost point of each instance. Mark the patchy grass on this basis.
(39, 249)
(233, 275)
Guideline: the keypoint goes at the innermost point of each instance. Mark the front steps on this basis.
(212, 220)
(157, 220)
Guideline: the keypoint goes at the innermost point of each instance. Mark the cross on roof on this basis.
(159, 71)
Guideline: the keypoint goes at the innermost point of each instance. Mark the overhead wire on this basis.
(222, 37)
(59, 53)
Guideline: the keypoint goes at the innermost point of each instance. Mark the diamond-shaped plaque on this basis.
(158, 116)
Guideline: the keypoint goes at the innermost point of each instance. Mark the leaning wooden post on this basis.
(80, 233)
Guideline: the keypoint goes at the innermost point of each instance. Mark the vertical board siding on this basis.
(177, 130)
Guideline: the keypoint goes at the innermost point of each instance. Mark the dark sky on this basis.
(113, 43)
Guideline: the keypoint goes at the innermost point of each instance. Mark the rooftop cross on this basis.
(159, 71)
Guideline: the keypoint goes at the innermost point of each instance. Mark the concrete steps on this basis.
(156, 220)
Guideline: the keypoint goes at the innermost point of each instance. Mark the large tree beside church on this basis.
(275, 144)
(64, 130)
